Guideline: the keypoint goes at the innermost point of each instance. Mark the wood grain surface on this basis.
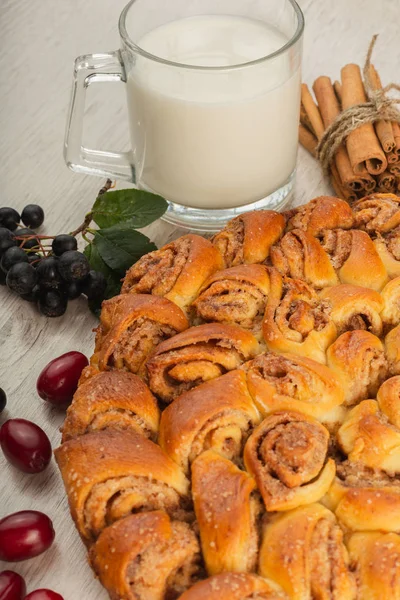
(38, 43)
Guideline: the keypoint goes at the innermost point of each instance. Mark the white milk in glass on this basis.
(214, 138)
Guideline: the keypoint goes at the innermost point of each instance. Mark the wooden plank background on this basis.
(39, 41)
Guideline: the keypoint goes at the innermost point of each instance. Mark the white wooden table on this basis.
(38, 43)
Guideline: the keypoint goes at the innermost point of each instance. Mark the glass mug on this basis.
(213, 94)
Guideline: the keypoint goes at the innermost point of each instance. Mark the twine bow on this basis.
(379, 107)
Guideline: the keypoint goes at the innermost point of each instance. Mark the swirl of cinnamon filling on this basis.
(287, 454)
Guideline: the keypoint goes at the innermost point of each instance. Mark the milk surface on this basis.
(211, 138)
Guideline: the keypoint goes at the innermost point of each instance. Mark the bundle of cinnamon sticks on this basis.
(369, 160)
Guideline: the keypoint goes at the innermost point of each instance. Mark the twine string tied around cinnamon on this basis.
(379, 107)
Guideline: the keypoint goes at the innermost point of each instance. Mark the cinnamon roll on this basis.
(391, 304)
(358, 360)
(377, 213)
(303, 551)
(392, 346)
(146, 557)
(197, 355)
(364, 498)
(235, 296)
(324, 212)
(110, 474)
(375, 560)
(388, 248)
(296, 320)
(355, 258)
(234, 586)
(354, 307)
(300, 255)
(112, 399)
(131, 327)
(227, 510)
(247, 239)
(388, 399)
(287, 454)
(367, 436)
(176, 271)
(216, 415)
(290, 382)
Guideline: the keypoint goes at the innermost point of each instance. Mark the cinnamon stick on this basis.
(386, 182)
(337, 86)
(305, 121)
(392, 158)
(395, 169)
(312, 111)
(383, 129)
(329, 108)
(362, 144)
(308, 140)
(396, 135)
(340, 190)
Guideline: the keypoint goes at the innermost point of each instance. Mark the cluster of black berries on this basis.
(38, 272)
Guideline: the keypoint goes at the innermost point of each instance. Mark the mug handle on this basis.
(94, 68)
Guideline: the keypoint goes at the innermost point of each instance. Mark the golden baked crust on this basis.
(296, 320)
(290, 382)
(324, 212)
(235, 296)
(300, 255)
(358, 359)
(287, 454)
(131, 327)
(360, 497)
(227, 510)
(146, 556)
(216, 415)
(197, 355)
(354, 307)
(355, 258)
(375, 560)
(112, 399)
(391, 303)
(247, 239)
(109, 474)
(392, 348)
(388, 248)
(377, 213)
(303, 551)
(235, 586)
(176, 271)
(367, 436)
(315, 561)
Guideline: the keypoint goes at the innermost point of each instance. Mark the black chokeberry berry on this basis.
(94, 286)
(52, 303)
(7, 240)
(33, 296)
(64, 243)
(74, 290)
(3, 400)
(2, 278)
(73, 266)
(25, 242)
(9, 218)
(11, 257)
(21, 278)
(48, 274)
(34, 259)
(32, 215)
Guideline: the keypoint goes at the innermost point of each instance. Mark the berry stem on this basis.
(88, 218)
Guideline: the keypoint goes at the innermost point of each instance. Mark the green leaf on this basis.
(138, 207)
(121, 246)
(98, 264)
